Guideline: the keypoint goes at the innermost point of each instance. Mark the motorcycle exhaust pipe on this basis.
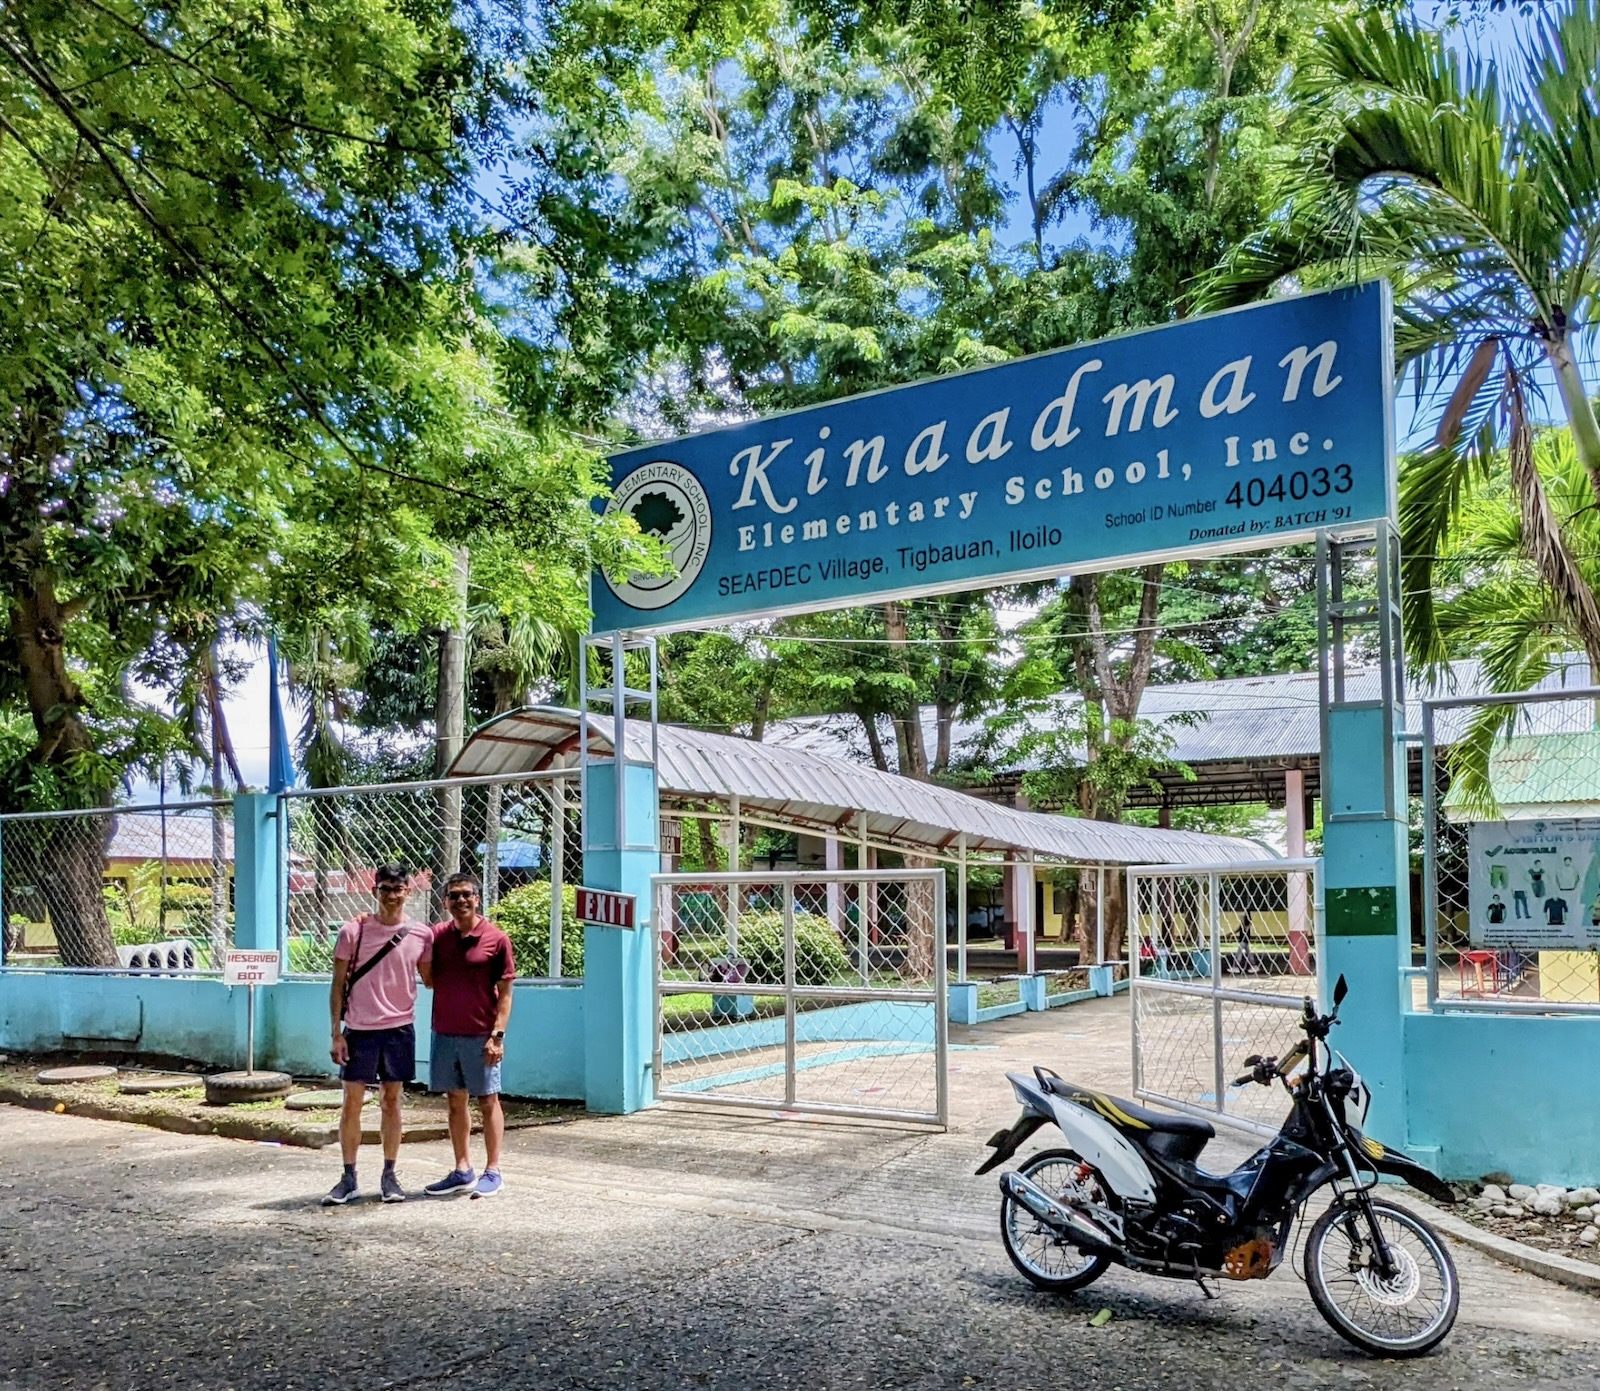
(1077, 1227)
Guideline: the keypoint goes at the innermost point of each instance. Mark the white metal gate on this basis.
(1221, 958)
(803, 992)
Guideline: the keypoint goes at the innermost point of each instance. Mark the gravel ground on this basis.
(688, 1252)
(187, 1111)
(676, 1248)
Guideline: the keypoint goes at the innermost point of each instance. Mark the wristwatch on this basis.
(499, 1035)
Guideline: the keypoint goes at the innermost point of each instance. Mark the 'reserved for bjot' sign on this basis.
(250, 968)
(1231, 432)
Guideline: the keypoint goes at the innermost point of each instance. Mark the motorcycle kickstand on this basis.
(1199, 1279)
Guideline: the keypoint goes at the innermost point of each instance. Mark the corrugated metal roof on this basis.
(833, 795)
(1242, 719)
(1539, 777)
(137, 836)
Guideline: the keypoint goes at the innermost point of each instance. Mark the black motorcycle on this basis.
(1130, 1191)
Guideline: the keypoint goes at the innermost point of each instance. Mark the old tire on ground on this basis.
(325, 1100)
(147, 1084)
(84, 1072)
(230, 1088)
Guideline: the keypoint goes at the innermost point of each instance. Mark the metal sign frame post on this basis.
(1366, 921)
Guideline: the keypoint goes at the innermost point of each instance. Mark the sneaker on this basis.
(392, 1191)
(488, 1185)
(453, 1182)
(341, 1193)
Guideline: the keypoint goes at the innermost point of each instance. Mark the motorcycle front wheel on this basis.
(1034, 1248)
(1402, 1314)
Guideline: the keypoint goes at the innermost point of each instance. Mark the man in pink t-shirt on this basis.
(373, 1005)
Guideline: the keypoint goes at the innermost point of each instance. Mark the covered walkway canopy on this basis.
(834, 797)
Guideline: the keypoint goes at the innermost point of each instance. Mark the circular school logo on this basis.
(667, 502)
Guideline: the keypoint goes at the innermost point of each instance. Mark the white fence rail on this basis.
(1220, 959)
(803, 992)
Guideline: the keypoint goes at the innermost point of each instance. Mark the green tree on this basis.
(1477, 192)
(201, 225)
(242, 378)
(1238, 617)
(828, 180)
(1492, 602)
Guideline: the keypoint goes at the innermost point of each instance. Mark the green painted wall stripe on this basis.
(1360, 912)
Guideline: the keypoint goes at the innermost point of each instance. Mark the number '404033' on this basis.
(1291, 487)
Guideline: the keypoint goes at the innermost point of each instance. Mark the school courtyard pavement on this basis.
(676, 1248)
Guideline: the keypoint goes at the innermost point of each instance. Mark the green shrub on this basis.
(819, 956)
(524, 914)
(188, 909)
(124, 931)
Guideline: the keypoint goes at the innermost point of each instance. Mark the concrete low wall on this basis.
(1511, 1092)
(201, 1020)
(204, 1021)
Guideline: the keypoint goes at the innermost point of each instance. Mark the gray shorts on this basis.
(456, 1064)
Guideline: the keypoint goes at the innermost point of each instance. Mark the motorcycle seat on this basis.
(1127, 1115)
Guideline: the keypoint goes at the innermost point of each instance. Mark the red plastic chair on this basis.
(1483, 968)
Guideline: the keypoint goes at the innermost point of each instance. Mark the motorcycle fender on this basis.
(1098, 1142)
(1406, 1169)
(1035, 1112)
(1007, 1142)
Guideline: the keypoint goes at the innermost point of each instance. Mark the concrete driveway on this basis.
(676, 1248)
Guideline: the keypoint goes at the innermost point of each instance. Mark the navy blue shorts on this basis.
(381, 1055)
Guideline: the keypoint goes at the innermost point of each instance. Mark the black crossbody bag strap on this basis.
(361, 970)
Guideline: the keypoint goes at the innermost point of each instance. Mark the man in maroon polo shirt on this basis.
(471, 974)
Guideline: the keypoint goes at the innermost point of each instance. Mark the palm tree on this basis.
(515, 651)
(1493, 603)
(1476, 191)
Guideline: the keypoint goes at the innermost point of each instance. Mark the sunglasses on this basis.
(460, 895)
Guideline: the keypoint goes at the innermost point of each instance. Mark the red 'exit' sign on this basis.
(605, 909)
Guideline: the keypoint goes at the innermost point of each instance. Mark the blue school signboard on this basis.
(1232, 432)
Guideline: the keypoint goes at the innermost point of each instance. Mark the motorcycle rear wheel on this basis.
(1405, 1316)
(1049, 1263)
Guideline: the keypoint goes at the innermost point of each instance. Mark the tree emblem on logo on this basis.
(658, 514)
(667, 502)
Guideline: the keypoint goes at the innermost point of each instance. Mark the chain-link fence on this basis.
(804, 992)
(1221, 960)
(518, 835)
(1511, 852)
(126, 888)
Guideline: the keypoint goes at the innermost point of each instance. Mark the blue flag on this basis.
(280, 761)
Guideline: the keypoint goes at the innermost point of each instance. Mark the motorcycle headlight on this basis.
(1344, 1084)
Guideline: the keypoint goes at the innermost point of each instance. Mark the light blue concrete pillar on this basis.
(1366, 922)
(618, 965)
(964, 1002)
(1030, 990)
(256, 872)
(1102, 980)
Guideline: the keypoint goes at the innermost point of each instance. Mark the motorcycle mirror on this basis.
(1340, 990)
